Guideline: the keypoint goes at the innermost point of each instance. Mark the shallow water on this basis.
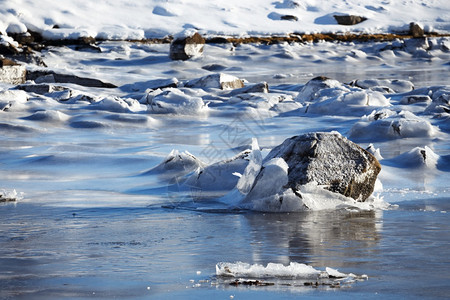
(94, 223)
(141, 252)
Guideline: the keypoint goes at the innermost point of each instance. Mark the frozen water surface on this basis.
(96, 219)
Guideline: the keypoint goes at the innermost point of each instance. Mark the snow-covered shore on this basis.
(124, 19)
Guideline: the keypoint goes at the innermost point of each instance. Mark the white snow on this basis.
(139, 19)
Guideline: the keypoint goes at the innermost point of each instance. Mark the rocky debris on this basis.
(349, 20)
(331, 160)
(415, 30)
(310, 89)
(219, 81)
(185, 47)
(12, 72)
(52, 77)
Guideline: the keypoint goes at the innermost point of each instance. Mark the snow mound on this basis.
(418, 157)
(51, 116)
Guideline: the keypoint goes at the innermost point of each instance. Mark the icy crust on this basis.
(273, 270)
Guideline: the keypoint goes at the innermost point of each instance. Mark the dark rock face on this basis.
(289, 18)
(330, 160)
(349, 19)
(52, 77)
(185, 48)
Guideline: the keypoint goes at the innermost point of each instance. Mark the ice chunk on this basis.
(241, 269)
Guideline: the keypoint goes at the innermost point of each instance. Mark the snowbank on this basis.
(138, 19)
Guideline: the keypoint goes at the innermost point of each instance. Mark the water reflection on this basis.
(316, 238)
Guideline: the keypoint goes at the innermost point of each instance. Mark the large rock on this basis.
(187, 46)
(329, 160)
(312, 87)
(11, 72)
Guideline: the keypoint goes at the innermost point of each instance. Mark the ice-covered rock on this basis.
(385, 85)
(387, 124)
(330, 160)
(412, 99)
(310, 89)
(116, 104)
(176, 165)
(186, 45)
(218, 81)
(346, 101)
(416, 158)
(175, 101)
(51, 116)
(11, 72)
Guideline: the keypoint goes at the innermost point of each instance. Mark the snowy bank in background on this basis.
(127, 19)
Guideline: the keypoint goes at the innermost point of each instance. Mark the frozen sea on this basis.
(91, 220)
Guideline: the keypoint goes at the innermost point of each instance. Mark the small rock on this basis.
(183, 48)
(289, 18)
(349, 19)
(415, 30)
(310, 89)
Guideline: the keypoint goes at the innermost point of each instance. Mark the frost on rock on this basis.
(218, 81)
(329, 160)
(175, 101)
(387, 124)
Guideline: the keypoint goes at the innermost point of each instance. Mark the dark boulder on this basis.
(349, 20)
(330, 160)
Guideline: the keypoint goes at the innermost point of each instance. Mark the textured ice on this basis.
(387, 124)
(275, 270)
